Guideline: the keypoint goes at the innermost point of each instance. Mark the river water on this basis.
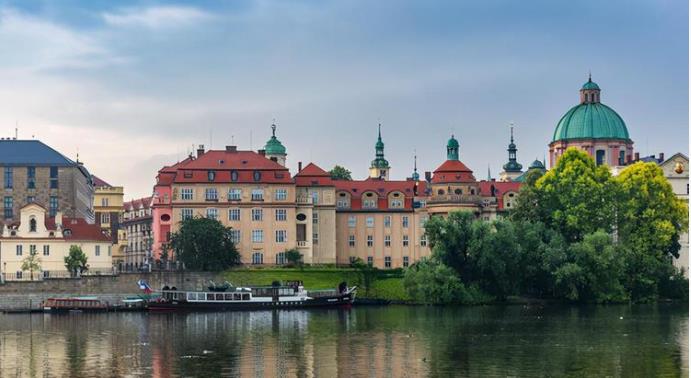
(392, 341)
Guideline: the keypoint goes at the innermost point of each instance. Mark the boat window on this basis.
(236, 296)
(229, 297)
(245, 297)
(209, 297)
(219, 297)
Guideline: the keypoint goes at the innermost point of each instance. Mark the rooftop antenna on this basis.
(232, 140)
(16, 130)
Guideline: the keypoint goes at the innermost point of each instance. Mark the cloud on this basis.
(157, 17)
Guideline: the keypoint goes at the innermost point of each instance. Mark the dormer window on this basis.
(32, 225)
(67, 232)
(211, 175)
(257, 175)
(233, 175)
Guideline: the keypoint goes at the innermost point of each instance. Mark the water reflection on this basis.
(391, 341)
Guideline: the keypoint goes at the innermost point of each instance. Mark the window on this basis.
(187, 194)
(257, 236)
(105, 218)
(257, 215)
(281, 215)
(281, 236)
(370, 240)
(423, 240)
(32, 225)
(387, 221)
(315, 198)
(315, 238)
(315, 218)
(352, 221)
(405, 240)
(257, 258)
(370, 260)
(342, 203)
(404, 221)
(97, 250)
(396, 203)
(211, 194)
(19, 250)
(234, 214)
(233, 175)
(110, 250)
(387, 261)
(387, 241)
(235, 236)
(212, 213)
(257, 194)
(8, 178)
(351, 240)
(621, 157)
(600, 157)
(406, 262)
(53, 177)
(53, 206)
(31, 177)
(211, 175)
(104, 202)
(30, 199)
(281, 194)
(19, 274)
(369, 204)
(370, 222)
(257, 175)
(234, 194)
(280, 258)
(46, 250)
(8, 203)
(187, 214)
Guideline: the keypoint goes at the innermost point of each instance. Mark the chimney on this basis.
(200, 150)
(637, 156)
(261, 152)
(662, 157)
(231, 148)
(58, 220)
(299, 166)
(428, 176)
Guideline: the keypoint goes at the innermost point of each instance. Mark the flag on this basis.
(144, 286)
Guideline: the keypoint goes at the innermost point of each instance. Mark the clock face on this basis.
(679, 168)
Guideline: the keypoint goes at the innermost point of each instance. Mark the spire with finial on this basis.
(416, 176)
(590, 91)
(380, 166)
(512, 165)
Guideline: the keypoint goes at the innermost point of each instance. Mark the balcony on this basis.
(304, 200)
(302, 244)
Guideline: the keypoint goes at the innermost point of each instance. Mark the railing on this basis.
(302, 243)
(460, 198)
(322, 293)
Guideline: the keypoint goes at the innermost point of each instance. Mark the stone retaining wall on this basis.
(29, 295)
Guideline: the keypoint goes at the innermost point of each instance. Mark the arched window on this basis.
(32, 225)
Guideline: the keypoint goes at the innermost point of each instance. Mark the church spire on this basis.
(380, 166)
(512, 165)
(416, 176)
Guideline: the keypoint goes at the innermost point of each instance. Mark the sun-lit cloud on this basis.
(156, 17)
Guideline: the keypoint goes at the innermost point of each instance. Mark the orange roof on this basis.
(382, 188)
(79, 229)
(453, 171)
(140, 203)
(500, 188)
(313, 175)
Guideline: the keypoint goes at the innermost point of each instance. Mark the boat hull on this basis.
(329, 301)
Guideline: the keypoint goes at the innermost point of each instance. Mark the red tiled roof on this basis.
(140, 203)
(313, 175)
(500, 188)
(98, 182)
(79, 229)
(382, 188)
(222, 162)
(453, 171)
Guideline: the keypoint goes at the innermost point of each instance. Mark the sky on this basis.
(131, 86)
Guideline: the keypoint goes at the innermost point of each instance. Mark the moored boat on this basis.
(91, 304)
(289, 296)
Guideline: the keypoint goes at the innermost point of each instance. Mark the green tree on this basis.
(31, 263)
(76, 261)
(429, 281)
(204, 244)
(527, 206)
(294, 257)
(368, 274)
(593, 271)
(340, 173)
(577, 197)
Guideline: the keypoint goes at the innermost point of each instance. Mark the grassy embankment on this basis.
(388, 285)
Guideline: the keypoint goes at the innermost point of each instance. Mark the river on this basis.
(392, 341)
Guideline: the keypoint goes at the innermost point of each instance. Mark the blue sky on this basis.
(132, 85)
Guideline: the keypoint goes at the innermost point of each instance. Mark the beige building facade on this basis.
(108, 212)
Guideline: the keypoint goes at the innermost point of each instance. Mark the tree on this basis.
(294, 257)
(650, 221)
(204, 244)
(528, 202)
(368, 273)
(340, 173)
(31, 263)
(577, 197)
(76, 261)
(429, 281)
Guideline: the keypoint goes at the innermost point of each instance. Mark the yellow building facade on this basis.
(108, 210)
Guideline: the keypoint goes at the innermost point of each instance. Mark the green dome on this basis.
(274, 147)
(591, 121)
(590, 85)
(537, 164)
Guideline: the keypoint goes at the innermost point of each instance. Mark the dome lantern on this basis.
(452, 149)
